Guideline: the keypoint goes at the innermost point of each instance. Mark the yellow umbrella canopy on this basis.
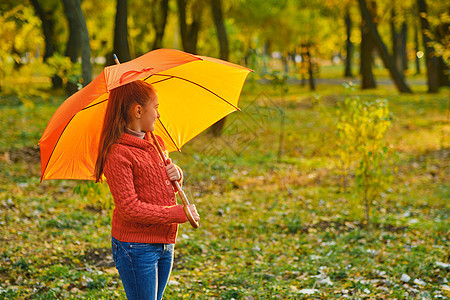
(194, 92)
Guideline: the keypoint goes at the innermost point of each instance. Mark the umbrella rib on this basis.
(170, 77)
(94, 104)
(181, 78)
(160, 122)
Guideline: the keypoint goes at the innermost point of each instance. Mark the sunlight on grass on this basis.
(275, 219)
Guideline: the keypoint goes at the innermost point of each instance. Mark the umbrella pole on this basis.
(177, 186)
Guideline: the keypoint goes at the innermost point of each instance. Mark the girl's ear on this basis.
(137, 110)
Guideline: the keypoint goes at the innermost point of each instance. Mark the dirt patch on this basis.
(343, 225)
(30, 155)
(99, 257)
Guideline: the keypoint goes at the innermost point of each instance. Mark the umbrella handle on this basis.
(186, 204)
(177, 186)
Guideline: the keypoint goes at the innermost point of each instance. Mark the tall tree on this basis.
(431, 59)
(47, 28)
(78, 38)
(86, 67)
(121, 46)
(395, 36)
(416, 43)
(73, 46)
(189, 32)
(367, 48)
(398, 41)
(217, 13)
(348, 43)
(382, 50)
(403, 50)
(159, 20)
(312, 85)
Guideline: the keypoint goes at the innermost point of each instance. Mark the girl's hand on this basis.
(194, 212)
(173, 171)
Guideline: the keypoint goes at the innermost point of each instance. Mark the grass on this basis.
(273, 227)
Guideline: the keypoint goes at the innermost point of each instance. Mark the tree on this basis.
(416, 43)
(382, 50)
(86, 67)
(431, 59)
(47, 28)
(189, 32)
(78, 38)
(159, 20)
(217, 13)
(349, 44)
(312, 85)
(73, 46)
(121, 46)
(367, 48)
(398, 42)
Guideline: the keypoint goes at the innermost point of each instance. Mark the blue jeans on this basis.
(143, 268)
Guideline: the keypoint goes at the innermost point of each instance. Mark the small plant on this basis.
(97, 195)
(279, 80)
(361, 147)
(62, 67)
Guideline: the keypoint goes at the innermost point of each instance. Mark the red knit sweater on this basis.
(145, 205)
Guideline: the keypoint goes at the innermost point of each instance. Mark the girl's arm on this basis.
(132, 209)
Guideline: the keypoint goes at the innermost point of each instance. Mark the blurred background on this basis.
(331, 182)
(302, 40)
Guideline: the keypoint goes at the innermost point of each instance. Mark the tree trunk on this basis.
(217, 13)
(416, 41)
(78, 39)
(382, 50)
(74, 42)
(189, 32)
(86, 67)
(396, 43)
(121, 46)
(367, 47)
(403, 50)
(430, 58)
(367, 78)
(312, 85)
(399, 44)
(443, 73)
(159, 21)
(47, 28)
(349, 47)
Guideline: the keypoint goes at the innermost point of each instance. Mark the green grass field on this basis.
(275, 221)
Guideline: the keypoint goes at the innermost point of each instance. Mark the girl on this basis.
(146, 215)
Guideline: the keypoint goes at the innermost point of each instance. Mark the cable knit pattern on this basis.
(145, 205)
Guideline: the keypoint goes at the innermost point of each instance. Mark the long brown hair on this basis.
(121, 99)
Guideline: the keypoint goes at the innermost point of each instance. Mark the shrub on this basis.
(362, 148)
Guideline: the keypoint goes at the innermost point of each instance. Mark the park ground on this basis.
(276, 223)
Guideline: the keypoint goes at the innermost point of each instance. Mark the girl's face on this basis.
(149, 113)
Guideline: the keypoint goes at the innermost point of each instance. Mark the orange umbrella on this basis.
(194, 92)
